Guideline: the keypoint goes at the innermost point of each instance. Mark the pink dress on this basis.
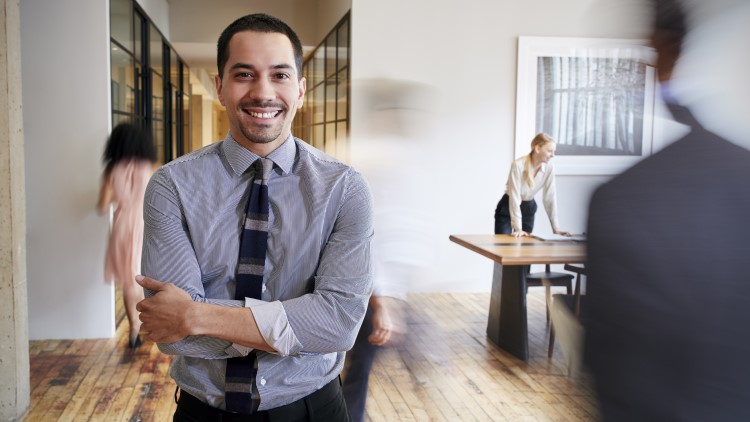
(128, 181)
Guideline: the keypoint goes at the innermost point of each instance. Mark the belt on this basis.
(294, 410)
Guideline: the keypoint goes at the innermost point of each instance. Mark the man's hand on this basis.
(519, 233)
(165, 315)
(381, 326)
(388, 320)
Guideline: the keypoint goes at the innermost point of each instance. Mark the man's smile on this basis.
(263, 115)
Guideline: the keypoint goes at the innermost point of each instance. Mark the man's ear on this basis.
(217, 80)
(302, 90)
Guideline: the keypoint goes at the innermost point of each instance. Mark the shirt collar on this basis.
(542, 168)
(240, 158)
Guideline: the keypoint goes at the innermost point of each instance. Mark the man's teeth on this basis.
(262, 115)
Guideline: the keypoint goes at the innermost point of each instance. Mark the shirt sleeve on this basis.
(550, 196)
(328, 319)
(513, 189)
(168, 256)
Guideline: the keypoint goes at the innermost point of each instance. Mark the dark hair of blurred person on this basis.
(128, 141)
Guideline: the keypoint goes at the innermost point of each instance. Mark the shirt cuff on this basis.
(274, 326)
(237, 350)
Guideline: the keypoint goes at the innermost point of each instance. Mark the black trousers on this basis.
(502, 216)
(356, 379)
(326, 404)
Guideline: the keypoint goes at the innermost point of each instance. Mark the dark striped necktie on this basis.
(241, 392)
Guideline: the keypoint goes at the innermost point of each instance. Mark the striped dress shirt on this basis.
(317, 276)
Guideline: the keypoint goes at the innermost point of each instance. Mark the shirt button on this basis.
(262, 381)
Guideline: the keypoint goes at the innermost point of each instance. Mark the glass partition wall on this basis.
(150, 83)
(323, 120)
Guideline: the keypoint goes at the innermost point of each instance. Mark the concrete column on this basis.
(14, 333)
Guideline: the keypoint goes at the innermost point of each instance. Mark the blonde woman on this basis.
(515, 211)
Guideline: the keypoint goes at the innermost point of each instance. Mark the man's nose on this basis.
(262, 90)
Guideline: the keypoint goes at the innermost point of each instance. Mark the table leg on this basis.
(507, 325)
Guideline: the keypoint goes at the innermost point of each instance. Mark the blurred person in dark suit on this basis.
(668, 247)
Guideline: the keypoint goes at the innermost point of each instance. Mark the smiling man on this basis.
(258, 300)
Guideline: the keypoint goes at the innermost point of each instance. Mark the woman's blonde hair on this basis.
(541, 139)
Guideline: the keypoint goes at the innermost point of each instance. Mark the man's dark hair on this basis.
(128, 141)
(669, 15)
(258, 22)
(668, 31)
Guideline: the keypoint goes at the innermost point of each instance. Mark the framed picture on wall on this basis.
(594, 96)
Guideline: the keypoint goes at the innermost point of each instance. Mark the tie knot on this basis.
(263, 168)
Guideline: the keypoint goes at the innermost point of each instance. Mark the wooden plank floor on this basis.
(445, 370)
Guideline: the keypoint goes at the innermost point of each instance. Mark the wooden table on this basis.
(506, 323)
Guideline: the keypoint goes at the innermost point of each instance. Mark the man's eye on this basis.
(244, 75)
(281, 76)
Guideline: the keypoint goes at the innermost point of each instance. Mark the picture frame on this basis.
(594, 96)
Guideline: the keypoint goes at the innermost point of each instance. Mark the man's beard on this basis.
(263, 135)
(260, 138)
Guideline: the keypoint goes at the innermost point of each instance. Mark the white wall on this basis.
(467, 52)
(65, 72)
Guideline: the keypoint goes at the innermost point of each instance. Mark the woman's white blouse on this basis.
(518, 191)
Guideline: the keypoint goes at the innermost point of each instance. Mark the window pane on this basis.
(156, 50)
(319, 69)
(319, 104)
(157, 99)
(139, 94)
(318, 139)
(342, 102)
(343, 45)
(305, 133)
(330, 49)
(157, 104)
(186, 135)
(174, 96)
(121, 22)
(331, 139)
(324, 115)
(174, 69)
(123, 82)
(185, 78)
(120, 118)
(140, 24)
(158, 134)
(330, 100)
(310, 73)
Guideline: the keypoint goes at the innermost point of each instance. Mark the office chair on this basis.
(564, 312)
(548, 278)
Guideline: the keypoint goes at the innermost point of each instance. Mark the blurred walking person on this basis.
(129, 158)
(666, 309)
